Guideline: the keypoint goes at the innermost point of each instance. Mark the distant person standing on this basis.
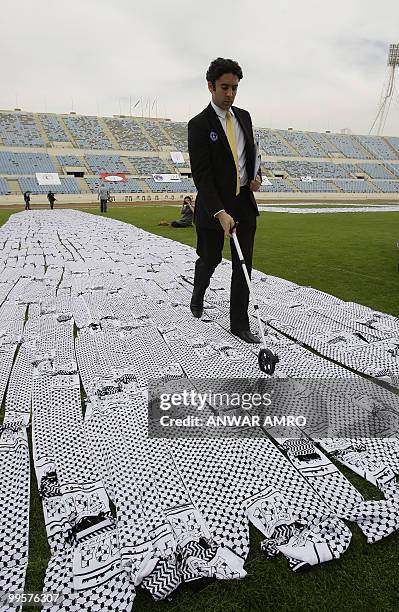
(51, 198)
(103, 196)
(27, 200)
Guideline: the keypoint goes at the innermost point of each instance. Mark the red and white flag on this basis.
(116, 177)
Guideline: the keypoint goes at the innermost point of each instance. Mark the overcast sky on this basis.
(311, 65)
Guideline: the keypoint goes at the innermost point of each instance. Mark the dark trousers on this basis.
(209, 249)
(103, 205)
(180, 223)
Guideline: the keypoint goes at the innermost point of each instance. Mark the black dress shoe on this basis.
(247, 336)
(197, 310)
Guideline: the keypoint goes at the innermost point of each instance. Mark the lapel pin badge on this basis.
(213, 136)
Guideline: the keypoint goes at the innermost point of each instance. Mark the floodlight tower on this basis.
(382, 114)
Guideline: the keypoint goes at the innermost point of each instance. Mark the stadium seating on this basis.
(377, 171)
(71, 160)
(336, 162)
(20, 130)
(25, 163)
(185, 185)
(377, 147)
(305, 168)
(130, 186)
(128, 134)
(150, 165)
(302, 143)
(272, 144)
(177, 133)
(319, 186)
(352, 169)
(157, 134)
(326, 145)
(347, 144)
(387, 186)
(4, 188)
(277, 185)
(394, 168)
(53, 128)
(355, 186)
(105, 163)
(87, 132)
(394, 142)
(68, 185)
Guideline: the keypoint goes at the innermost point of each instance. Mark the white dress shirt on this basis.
(240, 141)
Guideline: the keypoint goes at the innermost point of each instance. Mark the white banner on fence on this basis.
(48, 178)
(265, 181)
(306, 179)
(166, 178)
(177, 157)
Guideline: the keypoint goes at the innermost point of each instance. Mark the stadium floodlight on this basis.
(390, 92)
(393, 55)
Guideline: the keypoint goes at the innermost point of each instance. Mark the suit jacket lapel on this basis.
(215, 121)
(249, 146)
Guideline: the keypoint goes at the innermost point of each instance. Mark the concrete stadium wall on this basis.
(90, 199)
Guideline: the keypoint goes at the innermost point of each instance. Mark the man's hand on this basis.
(256, 184)
(226, 222)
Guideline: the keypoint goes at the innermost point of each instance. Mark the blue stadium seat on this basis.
(377, 147)
(318, 186)
(306, 168)
(128, 134)
(4, 188)
(387, 186)
(20, 130)
(71, 161)
(150, 165)
(87, 132)
(186, 185)
(130, 186)
(347, 144)
(394, 142)
(105, 163)
(302, 143)
(394, 168)
(277, 185)
(355, 186)
(53, 128)
(154, 128)
(326, 145)
(272, 144)
(68, 185)
(25, 163)
(375, 157)
(377, 171)
(177, 132)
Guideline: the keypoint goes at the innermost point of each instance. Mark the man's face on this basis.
(224, 91)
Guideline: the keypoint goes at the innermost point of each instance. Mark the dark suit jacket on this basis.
(213, 167)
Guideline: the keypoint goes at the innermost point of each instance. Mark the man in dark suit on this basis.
(222, 155)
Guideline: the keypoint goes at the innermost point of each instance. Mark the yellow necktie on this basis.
(231, 137)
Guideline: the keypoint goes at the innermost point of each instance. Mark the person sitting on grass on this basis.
(187, 214)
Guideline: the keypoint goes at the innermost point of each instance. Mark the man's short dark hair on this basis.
(221, 66)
